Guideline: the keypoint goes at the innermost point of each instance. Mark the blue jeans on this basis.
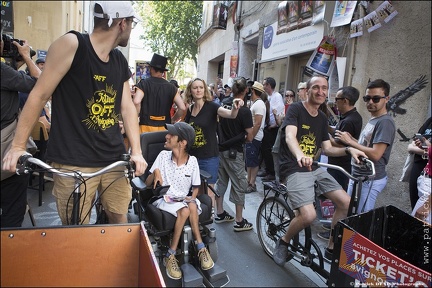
(369, 193)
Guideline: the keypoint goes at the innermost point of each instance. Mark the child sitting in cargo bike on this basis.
(180, 171)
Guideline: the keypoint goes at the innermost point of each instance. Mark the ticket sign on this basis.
(371, 265)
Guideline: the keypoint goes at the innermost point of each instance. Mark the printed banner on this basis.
(386, 11)
(234, 60)
(372, 265)
(293, 15)
(282, 17)
(322, 60)
(343, 13)
(301, 40)
(233, 66)
(142, 70)
(306, 14)
(318, 12)
(220, 16)
(356, 28)
(372, 21)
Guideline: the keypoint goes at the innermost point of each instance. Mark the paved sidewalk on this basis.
(253, 200)
(46, 215)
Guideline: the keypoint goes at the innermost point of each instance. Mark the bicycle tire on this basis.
(273, 218)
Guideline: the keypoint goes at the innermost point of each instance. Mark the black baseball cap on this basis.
(182, 129)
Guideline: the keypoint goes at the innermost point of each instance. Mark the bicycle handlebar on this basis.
(365, 162)
(28, 158)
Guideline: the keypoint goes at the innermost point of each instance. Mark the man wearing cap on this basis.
(252, 149)
(89, 80)
(40, 62)
(227, 99)
(180, 171)
(14, 187)
(155, 96)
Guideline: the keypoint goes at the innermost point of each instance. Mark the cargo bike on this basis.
(109, 255)
(382, 247)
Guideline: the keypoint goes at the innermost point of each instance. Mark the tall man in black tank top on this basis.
(88, 81)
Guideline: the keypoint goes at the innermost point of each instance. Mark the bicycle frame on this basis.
(275, 214)
(77, 175)
(352, 208)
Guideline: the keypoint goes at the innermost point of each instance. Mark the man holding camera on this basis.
(13, 187)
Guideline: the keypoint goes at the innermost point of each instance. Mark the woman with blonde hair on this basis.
(203, 115)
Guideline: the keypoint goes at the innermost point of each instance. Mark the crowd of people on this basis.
(230, 131)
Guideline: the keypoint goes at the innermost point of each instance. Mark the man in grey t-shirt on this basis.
(376, 140)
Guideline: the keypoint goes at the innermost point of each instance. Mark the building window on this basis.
(220, 69)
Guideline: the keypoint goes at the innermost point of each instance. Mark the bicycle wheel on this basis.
(272, 221)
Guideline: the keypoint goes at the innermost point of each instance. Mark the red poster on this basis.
(233, 66)
(372, 265)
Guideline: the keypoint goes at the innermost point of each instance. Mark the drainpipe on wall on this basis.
(237, 27)
(351, 69)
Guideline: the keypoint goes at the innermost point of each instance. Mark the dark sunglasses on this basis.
(339, 98)
(375, 99)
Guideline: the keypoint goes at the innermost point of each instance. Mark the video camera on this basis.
(10, 50)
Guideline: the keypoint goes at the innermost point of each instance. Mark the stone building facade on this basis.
(398, 52)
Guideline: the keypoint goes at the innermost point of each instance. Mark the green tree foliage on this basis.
(171, 28)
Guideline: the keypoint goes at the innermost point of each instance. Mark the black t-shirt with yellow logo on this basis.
(86, 109)
(311, 132)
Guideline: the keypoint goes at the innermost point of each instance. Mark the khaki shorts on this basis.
(113, 187)
(301, 186)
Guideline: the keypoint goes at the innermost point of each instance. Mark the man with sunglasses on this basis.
(376, 141)
(351, 122)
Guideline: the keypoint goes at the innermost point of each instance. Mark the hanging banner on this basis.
(322, 60)
(343, 13)
(306, 14)
(372, 21)
(386, 11)
(220, 16)
(293, 15)
(282, 17)
(318, 12)
(234, 60)
(356, 28)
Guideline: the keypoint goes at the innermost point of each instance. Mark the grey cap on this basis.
(182, 129)
(40, 60)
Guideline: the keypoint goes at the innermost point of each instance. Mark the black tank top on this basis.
(86, 108)
(158, 98)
